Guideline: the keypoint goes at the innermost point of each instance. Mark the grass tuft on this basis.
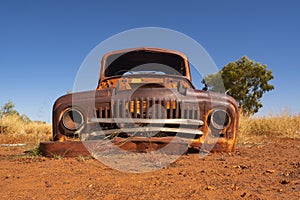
(15, 130)
(284, 125)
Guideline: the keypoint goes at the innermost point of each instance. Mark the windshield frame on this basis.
(141, 57)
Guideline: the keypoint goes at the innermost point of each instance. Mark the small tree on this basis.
(8, 109)
(245, 80)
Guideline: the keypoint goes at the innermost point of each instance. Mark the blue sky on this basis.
(43, 43)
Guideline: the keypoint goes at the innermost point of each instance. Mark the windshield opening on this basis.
(144, 62)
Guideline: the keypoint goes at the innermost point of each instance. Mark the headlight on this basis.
(72, 119)
(219, 119)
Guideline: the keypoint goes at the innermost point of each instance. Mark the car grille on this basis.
(149, 108)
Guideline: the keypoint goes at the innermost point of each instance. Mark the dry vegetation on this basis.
(15, 130)
(251, 129)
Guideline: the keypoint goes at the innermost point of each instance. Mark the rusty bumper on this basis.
(170, 145)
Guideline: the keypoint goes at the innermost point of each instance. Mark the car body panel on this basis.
(142, 103)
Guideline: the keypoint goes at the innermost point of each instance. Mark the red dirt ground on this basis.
(269, 169)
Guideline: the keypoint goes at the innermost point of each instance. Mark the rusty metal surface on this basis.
(130, 103)
(64, 149)
(169, 145)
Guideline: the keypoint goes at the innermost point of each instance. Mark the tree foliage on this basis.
(245, 80)
(8, 109)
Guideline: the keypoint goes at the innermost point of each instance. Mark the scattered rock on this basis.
(291, 174)
(234, 187)
(47, 184)
(240, 166)
(270, 171)
(209, 188)
(243, 195)
(284, 182)
(221, 159)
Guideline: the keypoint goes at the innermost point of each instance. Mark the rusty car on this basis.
(147, 93)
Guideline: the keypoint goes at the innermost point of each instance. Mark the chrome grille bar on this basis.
(148, 121)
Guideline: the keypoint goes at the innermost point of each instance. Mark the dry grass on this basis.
(252, 129)
(15, 130)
